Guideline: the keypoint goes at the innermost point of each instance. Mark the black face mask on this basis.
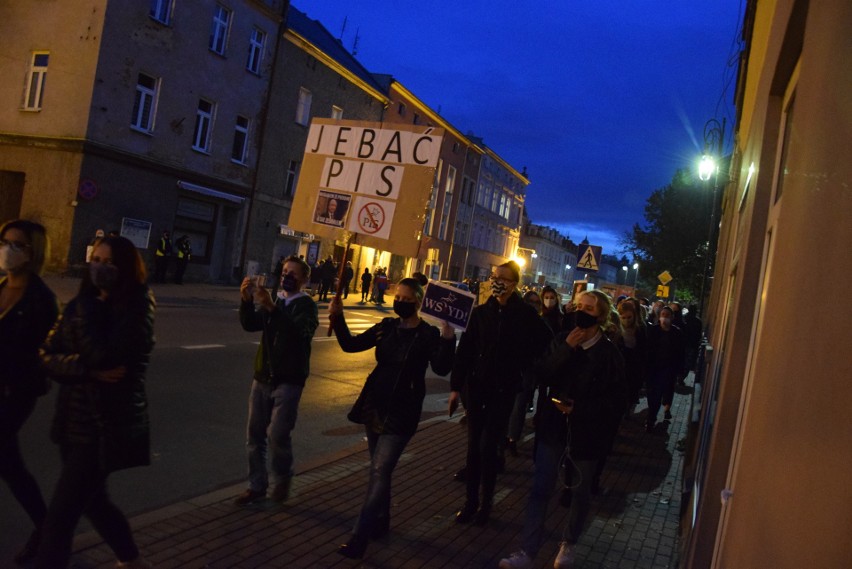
(584, 319)
(289, 284)
(404, 309)
(103, 276)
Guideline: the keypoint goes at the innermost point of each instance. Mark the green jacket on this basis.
(287, 334)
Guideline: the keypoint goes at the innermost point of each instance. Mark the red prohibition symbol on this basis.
(88, 189)
(371, 218)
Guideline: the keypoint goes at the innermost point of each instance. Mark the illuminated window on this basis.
(303, 110)
(336, 112)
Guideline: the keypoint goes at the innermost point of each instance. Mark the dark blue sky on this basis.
(601, 100)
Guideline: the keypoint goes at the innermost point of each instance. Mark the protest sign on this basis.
(448, 303)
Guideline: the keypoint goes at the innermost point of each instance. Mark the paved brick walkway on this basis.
(633, 525)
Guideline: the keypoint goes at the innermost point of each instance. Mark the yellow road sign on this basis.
(665, 277)
(662, 291)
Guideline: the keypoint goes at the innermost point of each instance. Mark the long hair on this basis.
(37, 235)
(128, 261)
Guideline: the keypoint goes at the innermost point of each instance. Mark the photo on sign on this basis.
(331, 208)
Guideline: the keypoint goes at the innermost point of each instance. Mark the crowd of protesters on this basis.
(588, 361)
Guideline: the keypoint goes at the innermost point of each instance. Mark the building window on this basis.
(448, 202)
(401, 109)
(303, 110)
(416, 119)
(161, 10)
(144, 104)
(219, 30)
(336, 112)
(35, 81)
(292, 178)
(203, 126)
(241, 130)
(255, 54)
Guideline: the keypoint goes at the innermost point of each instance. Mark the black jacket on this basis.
(98, 335)
(392, 397)
(23, 329)
(287, 334)
(499, 344)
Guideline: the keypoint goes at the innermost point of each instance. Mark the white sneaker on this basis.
(517, 560)
(565, 557)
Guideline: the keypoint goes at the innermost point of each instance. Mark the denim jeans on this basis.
(519, 414)
(81, 489)
(272, 417)
(548, 465)
(385, 451)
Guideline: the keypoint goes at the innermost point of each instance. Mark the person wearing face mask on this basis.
(583, 388)
(28, 309)
(391, 400)
(98, 351)
(666, 353)
(502, 339)
(281, 366)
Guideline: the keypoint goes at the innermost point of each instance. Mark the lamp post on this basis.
(635, 276)
(714, 137)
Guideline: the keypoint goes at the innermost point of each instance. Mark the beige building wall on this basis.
(775, 433)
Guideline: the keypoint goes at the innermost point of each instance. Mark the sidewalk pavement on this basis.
(633, 524)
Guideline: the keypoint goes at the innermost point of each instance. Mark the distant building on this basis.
(135, 116)
(550, 257)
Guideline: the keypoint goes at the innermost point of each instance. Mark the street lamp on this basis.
(635, 277)
(714, 137)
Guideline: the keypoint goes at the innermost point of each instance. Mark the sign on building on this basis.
(371, 179)
(448, 303)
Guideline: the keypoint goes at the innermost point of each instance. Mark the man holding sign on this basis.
(503, 338)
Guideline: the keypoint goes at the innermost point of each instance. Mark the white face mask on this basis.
(11, 260)
(549, 302)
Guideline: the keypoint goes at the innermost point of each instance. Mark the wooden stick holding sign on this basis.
(340, 270)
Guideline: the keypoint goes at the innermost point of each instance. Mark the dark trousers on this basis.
(325, 288)
(81, 489)
(486, 430)
(14, 412)
(660, 391)
(180, 269)
(161, 265)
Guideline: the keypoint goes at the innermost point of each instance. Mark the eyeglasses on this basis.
(16, 246)
(496, 279)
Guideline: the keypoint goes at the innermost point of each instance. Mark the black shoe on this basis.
(466, 514)
(461, 474)
(28, 551)
(482, 516)
(249, 497)
(354, 548)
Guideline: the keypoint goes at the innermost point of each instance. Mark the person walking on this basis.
(634, 349)
(348, 275)
(583, 388)
(503, 337)
(391, 400)
(28, 310)
(98, 351)
(184, 254)
(328, 273)
(366, 281)
(381, 282)
(281, 366)
(665, 362)
(161, 257)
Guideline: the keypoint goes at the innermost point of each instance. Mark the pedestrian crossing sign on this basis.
(589, 258)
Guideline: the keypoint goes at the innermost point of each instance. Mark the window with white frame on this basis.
(240, 147)
(448, 202)
(219, 30)
(161, 10)
(292, 178)
(203, 126)
(336, 112)
(144, 105)
(303, 109)
(255, 54)
(35, 81)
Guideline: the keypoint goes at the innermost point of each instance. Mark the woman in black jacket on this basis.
(390, 403)
(27, 311)
(98, 352)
